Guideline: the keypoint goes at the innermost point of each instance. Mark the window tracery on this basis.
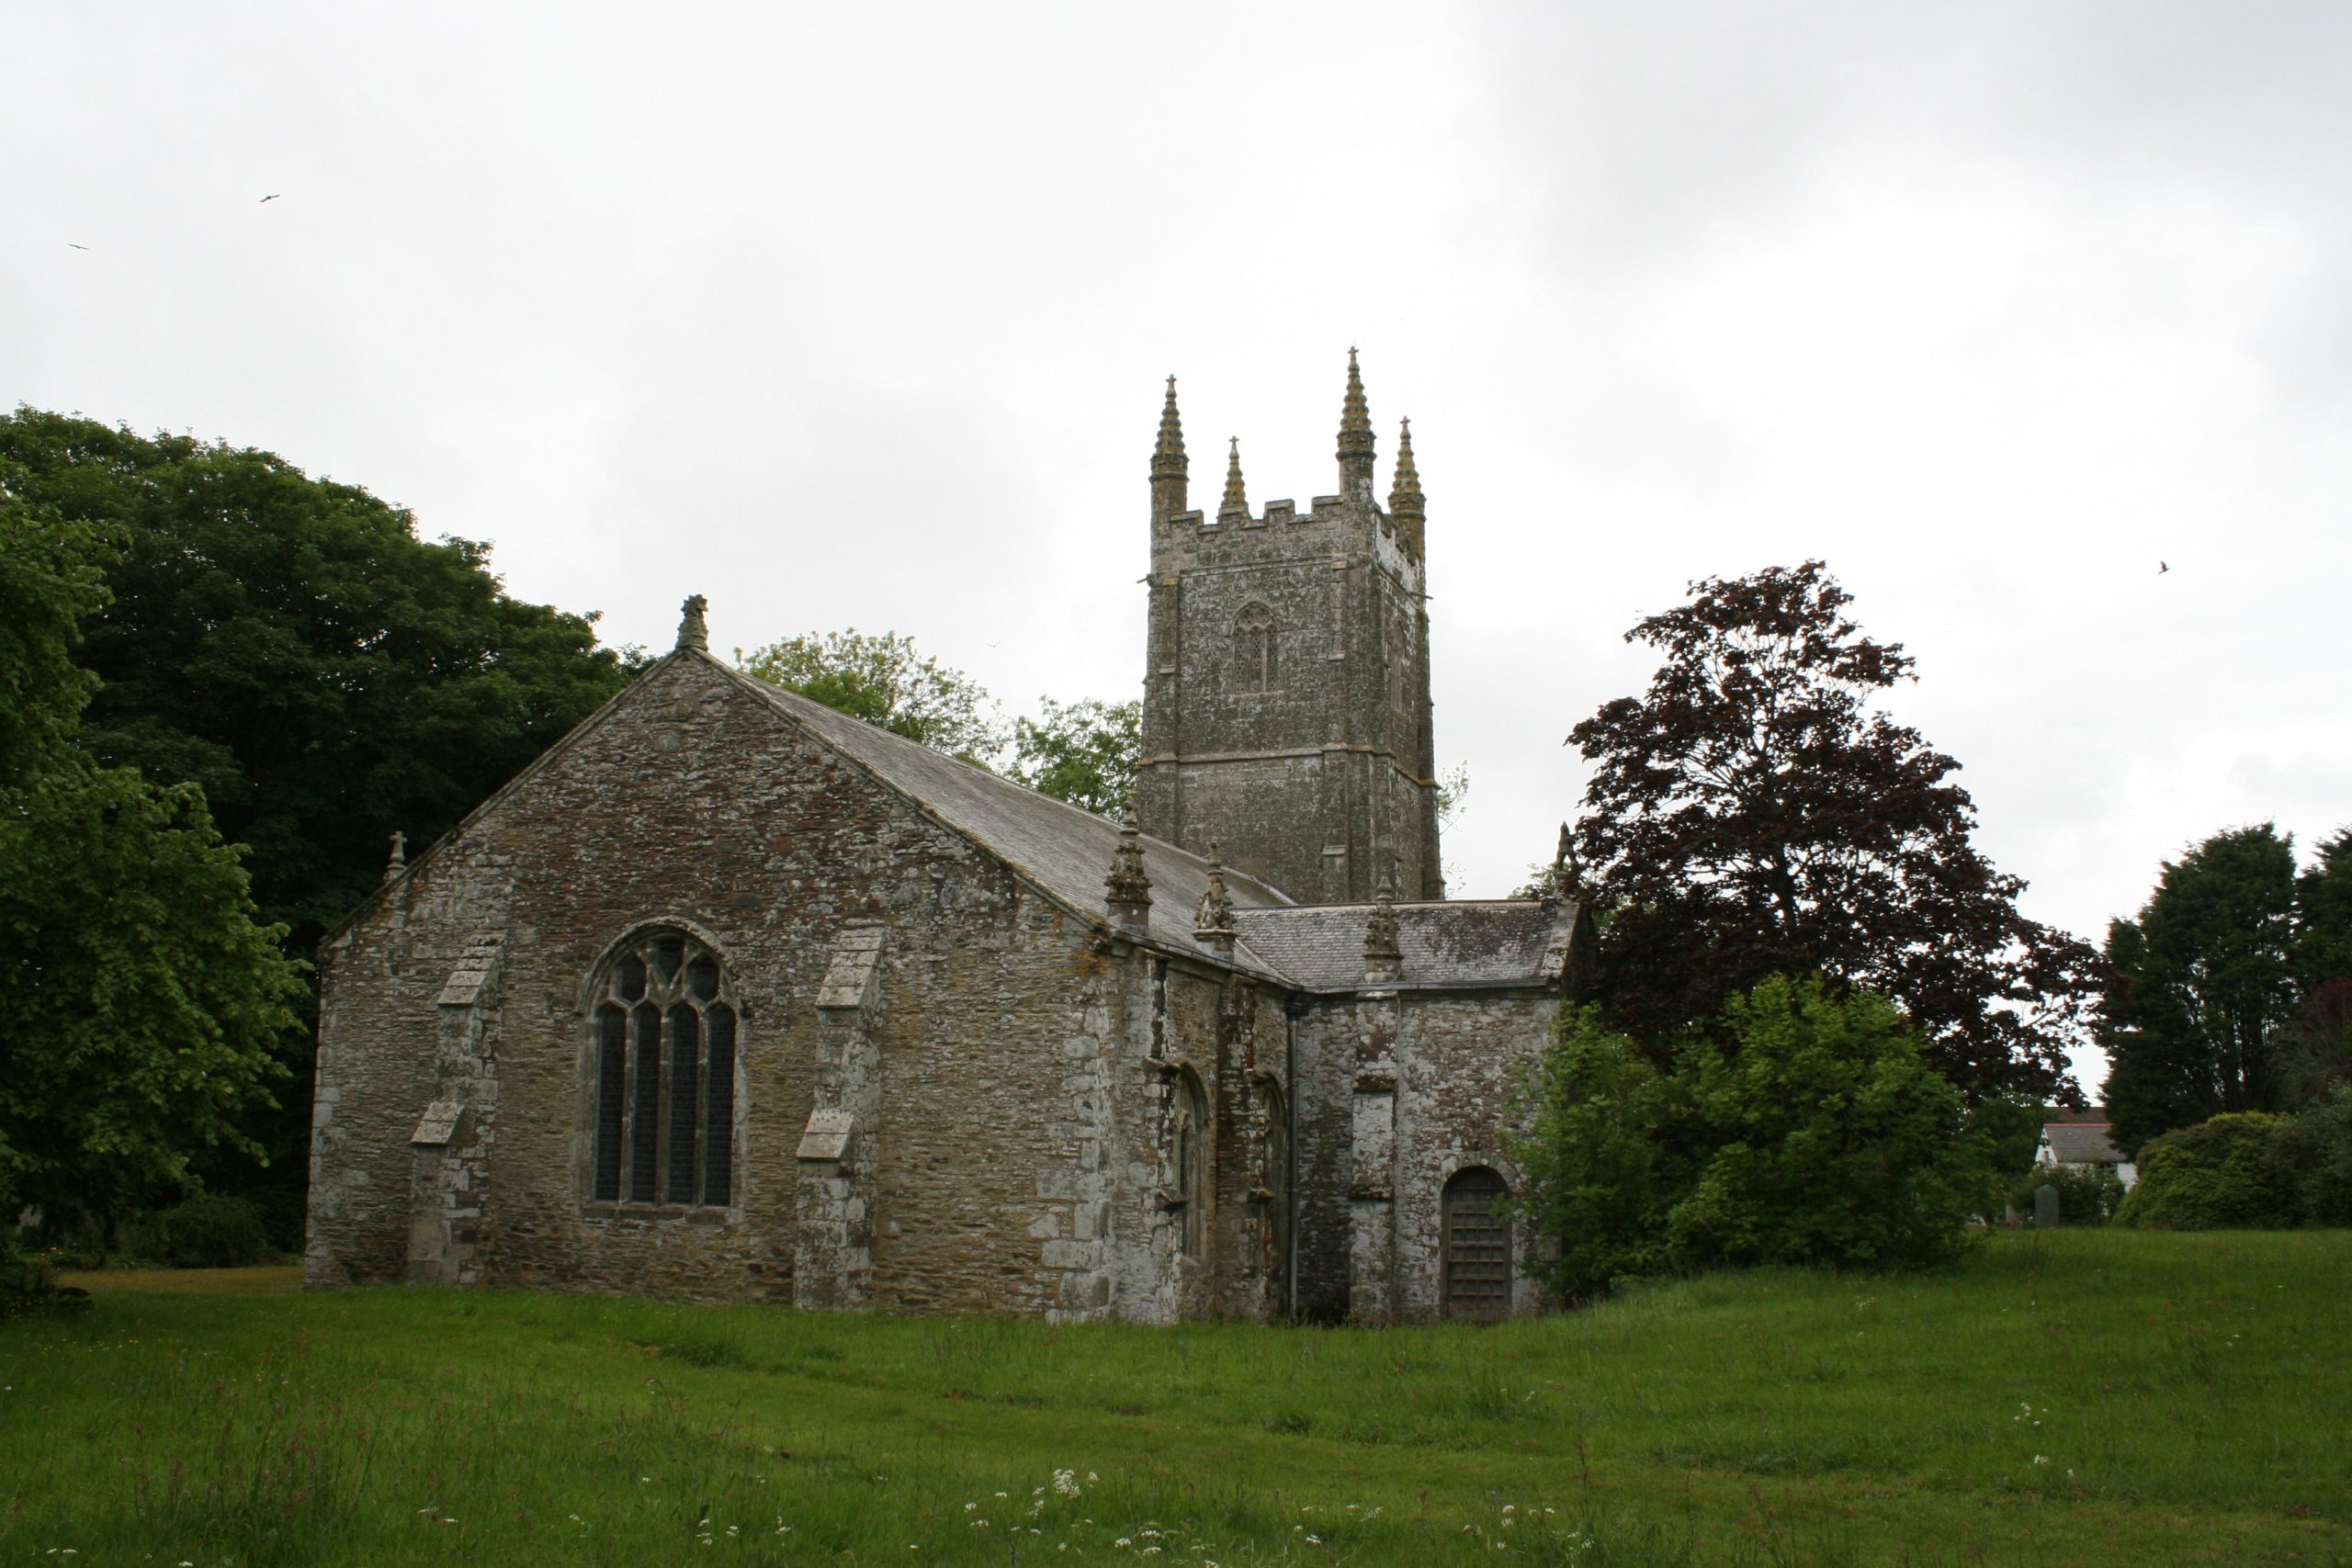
(1253, 648)
(665, 1036)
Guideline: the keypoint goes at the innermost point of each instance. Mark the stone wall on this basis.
(1399, 1088)
(953, 1093)
(1000, 1120)
(1334, 752)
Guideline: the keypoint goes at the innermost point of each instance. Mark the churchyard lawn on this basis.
(2075, 1398)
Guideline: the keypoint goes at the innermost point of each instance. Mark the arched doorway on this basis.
(1477, 1245)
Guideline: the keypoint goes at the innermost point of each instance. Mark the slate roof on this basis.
(2079, 1143)
(1064, 850)
(1455, 943)
(1067, 852)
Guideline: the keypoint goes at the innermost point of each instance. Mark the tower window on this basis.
(1253, 649)
(663, 1119)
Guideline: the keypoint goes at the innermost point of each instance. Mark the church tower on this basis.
(1286, 682)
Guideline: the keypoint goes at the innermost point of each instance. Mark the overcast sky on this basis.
(857, 315)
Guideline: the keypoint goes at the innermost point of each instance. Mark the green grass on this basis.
(2080, 1398)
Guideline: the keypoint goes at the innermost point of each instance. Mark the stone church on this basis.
(731, 995)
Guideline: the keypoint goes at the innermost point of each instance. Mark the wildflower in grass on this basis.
(1066, 1482)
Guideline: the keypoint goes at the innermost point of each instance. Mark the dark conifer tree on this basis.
(2229, 991)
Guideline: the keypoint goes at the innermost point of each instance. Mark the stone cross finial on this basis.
(1383, 960)
(1129, 885)
(398, 862)
(1213, 922)
(693, 632)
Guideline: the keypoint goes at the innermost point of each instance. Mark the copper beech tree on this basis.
(1752, 815)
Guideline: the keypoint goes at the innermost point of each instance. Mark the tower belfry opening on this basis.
(1286, 687)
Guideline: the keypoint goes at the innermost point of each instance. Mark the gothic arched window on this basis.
(1253, 649)
(665, 1016)
(1189, 1155)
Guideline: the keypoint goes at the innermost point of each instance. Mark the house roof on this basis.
(1488, 942)
(1064, 850)
(2079, 1143)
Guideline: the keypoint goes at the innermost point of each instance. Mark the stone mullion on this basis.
(698, 1180)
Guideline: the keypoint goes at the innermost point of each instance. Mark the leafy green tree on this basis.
(1809, 1129)
(889, 684)
(2216, 998)
(2015, 1128)
(142, 998)
(289, 644)
(1085, 752)
(51, 575)
(1751, 814)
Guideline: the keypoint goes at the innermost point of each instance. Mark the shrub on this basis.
(2222, 1174)
(1815, 1132)
(29, 1284)
(284, 1211)
(2314, 1152)
(203, 1233)
(2088, 1194)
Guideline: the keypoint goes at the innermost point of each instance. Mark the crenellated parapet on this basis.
(1286, 707)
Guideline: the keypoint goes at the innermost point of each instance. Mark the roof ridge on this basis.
(915, 751)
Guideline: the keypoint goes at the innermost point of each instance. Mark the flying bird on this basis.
(273, 196)
(2162, 567)
(71, 245)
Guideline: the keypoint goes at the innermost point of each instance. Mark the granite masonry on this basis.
(731, 996)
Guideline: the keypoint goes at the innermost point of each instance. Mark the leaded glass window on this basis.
(664, 1062)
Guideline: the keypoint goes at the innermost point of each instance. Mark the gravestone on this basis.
(2045, 1207)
